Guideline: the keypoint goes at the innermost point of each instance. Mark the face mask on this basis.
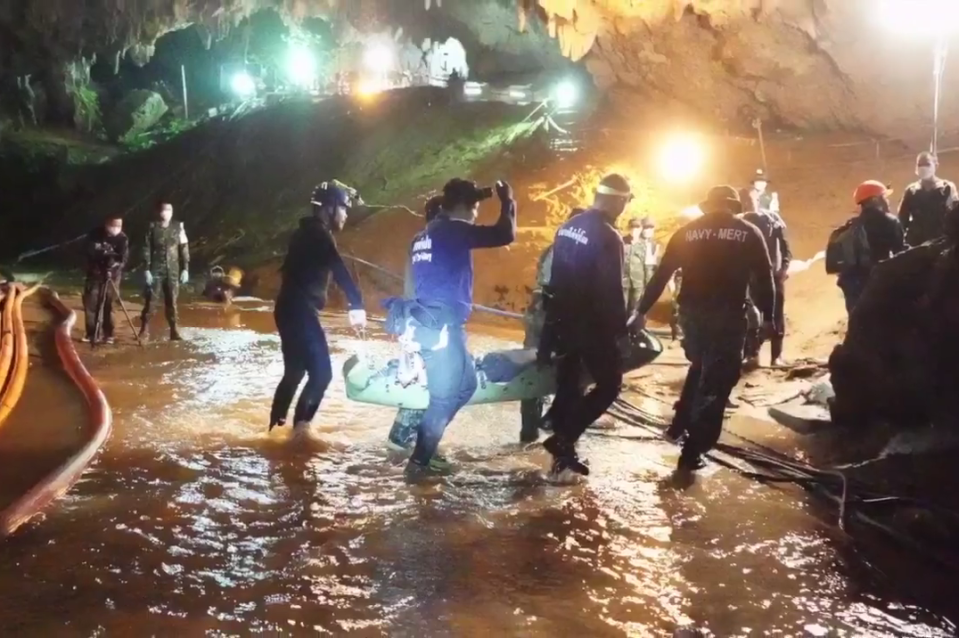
(635, 234)
(760, 187)
(925, 172)
(113, 231)
(647, 233)
(166, 215)
(339, 217)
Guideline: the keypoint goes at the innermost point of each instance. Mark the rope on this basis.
(393, 275)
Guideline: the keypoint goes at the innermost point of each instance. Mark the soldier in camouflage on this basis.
(641, 259)
(531, 410)
(166, 256)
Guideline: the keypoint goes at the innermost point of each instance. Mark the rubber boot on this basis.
(564, 457)
(174, 333)
(144, 333)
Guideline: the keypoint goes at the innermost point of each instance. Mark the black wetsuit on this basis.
(312, 259)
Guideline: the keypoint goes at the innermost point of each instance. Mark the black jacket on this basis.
(923, 211)
(106, 253)
(310, 260)
(720, 255)
(773, 230)
(884, 233)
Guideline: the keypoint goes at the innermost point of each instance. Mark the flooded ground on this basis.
(195, 522)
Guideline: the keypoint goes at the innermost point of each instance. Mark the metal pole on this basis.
(186, 106)
(758, 124)
(938, 69)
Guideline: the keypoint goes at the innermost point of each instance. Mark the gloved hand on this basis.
(184, 277)
(504, 191)
(147, 278)
(357, 318)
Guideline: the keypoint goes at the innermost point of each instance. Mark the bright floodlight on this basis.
(378, 58)
(682, 159)
(566, 94)
(691, 212)
(301, 65)
(243, 84)
(920, 17)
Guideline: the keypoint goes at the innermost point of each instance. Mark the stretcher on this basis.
(501, 376)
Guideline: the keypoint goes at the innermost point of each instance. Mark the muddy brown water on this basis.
(195, 522)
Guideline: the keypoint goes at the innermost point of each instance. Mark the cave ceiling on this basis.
(812, 64)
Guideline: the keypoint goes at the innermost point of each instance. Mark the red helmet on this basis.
(869, 189)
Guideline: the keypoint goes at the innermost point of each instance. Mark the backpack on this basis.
(848, 248)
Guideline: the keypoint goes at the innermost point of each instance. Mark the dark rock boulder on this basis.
(136, 113)
(899, 361)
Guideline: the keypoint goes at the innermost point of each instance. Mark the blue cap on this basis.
(327, 194)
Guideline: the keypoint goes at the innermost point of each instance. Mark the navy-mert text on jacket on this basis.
(586, 278)
(720, 256)
(310, 260)
(442, 263)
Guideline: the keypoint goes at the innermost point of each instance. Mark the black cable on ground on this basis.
(823, 483)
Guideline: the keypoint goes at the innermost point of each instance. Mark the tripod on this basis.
(109, 281)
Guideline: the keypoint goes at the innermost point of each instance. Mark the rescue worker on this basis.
(641, 259)
(312, 257)
(675, 286)
(721, 256)
(402, 435)
(166, 257)
(107, 252)
(442, 268)
(222, 286)
(586, 318)
(761, 210)
(926, 203)
(532, 418)
(882, 237)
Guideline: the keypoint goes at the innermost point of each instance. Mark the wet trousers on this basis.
(169, 285)
(531, 410)
(713, 343)
(97, 290)
(755, 338)
(305, 353)
(450, 381)
(598, 354)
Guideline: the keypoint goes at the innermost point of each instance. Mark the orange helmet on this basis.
(869, 189)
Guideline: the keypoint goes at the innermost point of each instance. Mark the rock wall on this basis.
(815, 64)
(899, 361)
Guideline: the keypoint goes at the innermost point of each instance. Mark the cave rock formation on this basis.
(899, 361)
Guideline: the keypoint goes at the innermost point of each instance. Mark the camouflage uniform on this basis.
(166, 255)
(641, 259)
(531, 410)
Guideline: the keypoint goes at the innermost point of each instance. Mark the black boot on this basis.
(174, 333)
(564, 456)
(144, 334)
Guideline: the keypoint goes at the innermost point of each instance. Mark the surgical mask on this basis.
(647, 233)
(760, 186)
(925, 172)
(114, 229)
(166, 214)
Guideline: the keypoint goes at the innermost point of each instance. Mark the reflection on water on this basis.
(196, 521)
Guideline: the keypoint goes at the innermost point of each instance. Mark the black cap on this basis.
(722, 198)
(760, 176)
